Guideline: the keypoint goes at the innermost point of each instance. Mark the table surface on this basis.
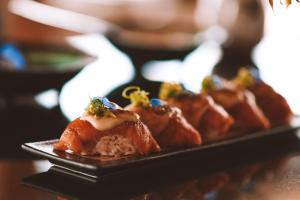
(272, 175)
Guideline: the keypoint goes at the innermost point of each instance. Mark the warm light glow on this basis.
(278, 53)
(112, 69)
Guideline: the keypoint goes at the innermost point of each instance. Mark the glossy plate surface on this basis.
(96, 167)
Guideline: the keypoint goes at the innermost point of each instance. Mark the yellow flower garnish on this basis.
(207, 84)
(211, 83)
(244, 78)
(137, 96)
(169, 90)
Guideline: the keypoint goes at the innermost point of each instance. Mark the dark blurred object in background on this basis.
(32, 63)
(243, 21)
(24, 116)
(38, 67)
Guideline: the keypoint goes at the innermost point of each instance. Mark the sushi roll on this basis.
(274, 105)
(166, 123)
(240, 104)
(201, 111)
(106, 129)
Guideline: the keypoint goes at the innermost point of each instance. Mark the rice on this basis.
(115, 145)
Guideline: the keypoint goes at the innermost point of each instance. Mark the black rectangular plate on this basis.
(96, 168)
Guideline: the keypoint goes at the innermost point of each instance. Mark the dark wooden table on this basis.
(13, 170)
(266, 170)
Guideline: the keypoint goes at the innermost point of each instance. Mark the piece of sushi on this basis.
(209, 118)
(166, 123)
(274, 105)
(106, 129)
(239, 103)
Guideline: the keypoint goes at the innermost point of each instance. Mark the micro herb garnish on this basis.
(211, 82)
(137, 96)
(100, 107)
(169, 90)
(247, 78)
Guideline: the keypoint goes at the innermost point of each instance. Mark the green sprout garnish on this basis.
(207, 84)
(97, 108)
(244, 78)
(211, 83)
(137, 96)
(169, 90)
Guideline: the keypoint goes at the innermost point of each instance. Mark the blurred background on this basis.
(55, 54)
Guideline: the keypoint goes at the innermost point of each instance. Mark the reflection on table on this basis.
(272, 174)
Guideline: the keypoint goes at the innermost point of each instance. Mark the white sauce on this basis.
(106, 123)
